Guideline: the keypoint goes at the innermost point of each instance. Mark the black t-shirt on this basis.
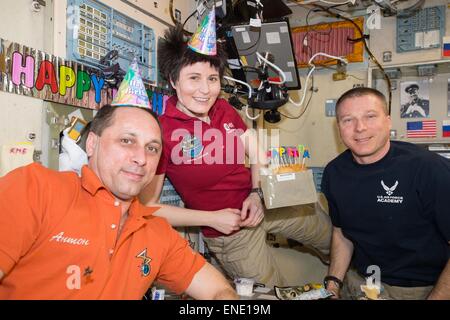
(396, 212)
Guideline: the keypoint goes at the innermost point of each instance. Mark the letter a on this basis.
(74, 280)
(47, 76)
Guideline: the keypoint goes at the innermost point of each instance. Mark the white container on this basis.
(244, 286)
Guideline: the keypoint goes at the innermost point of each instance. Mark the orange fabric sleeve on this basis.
(20, 213)
(180, 265)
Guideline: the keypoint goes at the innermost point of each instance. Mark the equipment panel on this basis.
(96, 29)
(423, 30)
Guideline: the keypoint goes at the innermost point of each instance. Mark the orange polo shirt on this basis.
(59, 240)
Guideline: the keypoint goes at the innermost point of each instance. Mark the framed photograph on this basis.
(415, 99)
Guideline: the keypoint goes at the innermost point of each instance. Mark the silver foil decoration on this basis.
(8, 48)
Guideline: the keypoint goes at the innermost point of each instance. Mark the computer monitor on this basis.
(274, 38)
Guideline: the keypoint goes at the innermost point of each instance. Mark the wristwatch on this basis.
(259, 192)
(334, 279)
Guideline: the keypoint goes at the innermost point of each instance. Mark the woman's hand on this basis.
(226, 220)
(252, 212)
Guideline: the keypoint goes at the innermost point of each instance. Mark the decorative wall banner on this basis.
(30, 72)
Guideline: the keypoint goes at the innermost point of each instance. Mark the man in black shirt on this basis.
(389, 206)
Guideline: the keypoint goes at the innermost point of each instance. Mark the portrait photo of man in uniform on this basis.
(414, 98)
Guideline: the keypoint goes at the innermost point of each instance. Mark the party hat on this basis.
(204, 39)
(131, 90)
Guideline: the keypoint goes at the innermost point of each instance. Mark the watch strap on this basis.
(259, 192)
(334, 279)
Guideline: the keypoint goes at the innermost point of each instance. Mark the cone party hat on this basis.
(131, 90)
(204, 39)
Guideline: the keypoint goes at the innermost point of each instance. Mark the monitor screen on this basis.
(272, 37)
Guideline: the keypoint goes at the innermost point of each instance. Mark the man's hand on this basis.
(416, 108)
(441, 290)
(252, 212)
(226, 220)
(334, 289)
(410, 109)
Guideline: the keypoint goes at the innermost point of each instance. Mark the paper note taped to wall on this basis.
(273, 37)
(15, 156)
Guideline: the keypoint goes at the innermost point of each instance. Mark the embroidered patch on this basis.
(191, 146)
(145, 265)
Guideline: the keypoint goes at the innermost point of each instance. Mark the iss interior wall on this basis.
(314, 128)
(20, 115)
(382, 40)
(46, 30)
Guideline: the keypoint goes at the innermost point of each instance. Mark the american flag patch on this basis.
(421, 129)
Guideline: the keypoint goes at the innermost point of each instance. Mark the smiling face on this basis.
(197, 87)
(126, 154)
(364, 127)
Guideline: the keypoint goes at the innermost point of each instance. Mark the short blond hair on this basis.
(360, 92)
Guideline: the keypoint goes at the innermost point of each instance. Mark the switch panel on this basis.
(94, 29)
(422, 30)
(330, 108)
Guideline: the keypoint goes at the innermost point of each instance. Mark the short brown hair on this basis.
(104, 116)
(360, 92)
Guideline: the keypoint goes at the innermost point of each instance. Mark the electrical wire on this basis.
(250, 90)
(312, 29)
(175, 22)
(350, 75)
(363, 39)
(335, 69)
(307, 103)
(259, 34)
(281, 72)
(185, 21)
(249, 116)
(252, 46)
(313, 67)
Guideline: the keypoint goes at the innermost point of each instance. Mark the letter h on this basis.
(18, 69)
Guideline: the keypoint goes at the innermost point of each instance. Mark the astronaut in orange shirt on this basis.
(69, 237)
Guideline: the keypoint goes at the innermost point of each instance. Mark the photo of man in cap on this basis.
(413, 106)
